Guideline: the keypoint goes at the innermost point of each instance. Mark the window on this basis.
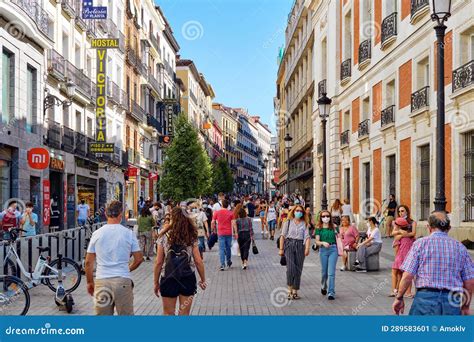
(390, 7)
(5, 179)
(65, 46)
(8, 86)
(31, 94)
(347, 36)
(466, 50)
(89, 127)
(77, 56)
(366, 27)
(392, 175)
(367, 204)
(365, 109)
(324, 52)
(66, 116)
(425, 182)
(390, 94)
(423, 73)
(469, 176)
(78, 121)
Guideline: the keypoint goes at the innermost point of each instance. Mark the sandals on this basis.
(295, 296)
(393, 294)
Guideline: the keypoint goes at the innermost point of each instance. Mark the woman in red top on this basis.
(350, 236)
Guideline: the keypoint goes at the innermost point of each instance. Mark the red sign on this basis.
(46, 202)
(132, 171)
(276, 176)
(38, 158)
(65, 203)
(153, 176)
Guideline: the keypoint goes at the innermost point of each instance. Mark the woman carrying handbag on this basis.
(243, 233)
(330, 247)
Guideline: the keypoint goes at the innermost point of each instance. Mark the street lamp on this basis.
(265, 164)
(288, 140)
(440, 12)
(52, 100)
(324, 104)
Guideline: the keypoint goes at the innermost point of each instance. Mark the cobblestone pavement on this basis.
(259, 290)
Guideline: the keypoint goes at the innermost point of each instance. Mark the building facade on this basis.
(227, 120)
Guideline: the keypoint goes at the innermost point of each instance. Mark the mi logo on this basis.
(38, 158)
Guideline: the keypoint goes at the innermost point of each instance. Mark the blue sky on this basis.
(234, 43)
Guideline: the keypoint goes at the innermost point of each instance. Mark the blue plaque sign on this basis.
(91, 12)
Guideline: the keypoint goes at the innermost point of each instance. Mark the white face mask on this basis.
(326, 219)
(368, 225)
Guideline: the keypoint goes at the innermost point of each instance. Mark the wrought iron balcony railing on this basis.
(463, 76)
(113, 92)
(388, 116)
(420, 99)
(89, 154)
(364, 128)
(154, 83)
(321, 88)
(80, 144)
(137, 157)
(389, 27)
(364, 51)
(345, 138)
(153, 122)
(154, 41)
(56, 65)
(131, 155)
(81, 23)
(36, 12)
(68, 140)
(346, 69)
(121, 38)
(80, 79)
(418, 5)
(68, 6)
(124, 164)
(117, 156)
(54, 135)
(124, 100)
(131, 57)
(91, 29)
(137, 112)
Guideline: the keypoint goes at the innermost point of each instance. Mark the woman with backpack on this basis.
(243, 232)
(177, 260)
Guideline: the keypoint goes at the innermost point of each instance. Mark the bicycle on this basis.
(60, 275)
(14, 296)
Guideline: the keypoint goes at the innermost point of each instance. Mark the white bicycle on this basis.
(62, 270)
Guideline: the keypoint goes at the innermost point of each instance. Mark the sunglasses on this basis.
(325, 216)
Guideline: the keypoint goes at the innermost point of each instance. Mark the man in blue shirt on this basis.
(29, 220)
(83, 212)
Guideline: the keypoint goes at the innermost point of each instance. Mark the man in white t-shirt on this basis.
(83, 212)
(218, 206)
(110, 247)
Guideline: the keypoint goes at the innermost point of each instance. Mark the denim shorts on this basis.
(272, 224)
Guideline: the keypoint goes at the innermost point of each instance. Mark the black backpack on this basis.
(178, 263)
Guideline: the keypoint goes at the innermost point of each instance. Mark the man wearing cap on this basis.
(443, 272)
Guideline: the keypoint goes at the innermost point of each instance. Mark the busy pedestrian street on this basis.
(259, 290)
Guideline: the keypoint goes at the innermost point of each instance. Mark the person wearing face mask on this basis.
(200, 220)
(372, 245)
(208, 211)
(326, 234)
(294, 245)
(10, 217)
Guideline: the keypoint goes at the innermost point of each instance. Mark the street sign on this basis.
(46, 202)
(38, 158)
(164, 141)
(100, 145)
(89, 11)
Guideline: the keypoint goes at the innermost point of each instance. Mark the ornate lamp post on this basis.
(324, 104)
(440, 12)
(288, 140)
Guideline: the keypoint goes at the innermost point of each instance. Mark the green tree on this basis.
(187, 168)
(222, 180)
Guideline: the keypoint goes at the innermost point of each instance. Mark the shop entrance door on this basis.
(57, 201)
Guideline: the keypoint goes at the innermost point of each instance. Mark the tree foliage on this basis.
(187, 167)
(222, 180)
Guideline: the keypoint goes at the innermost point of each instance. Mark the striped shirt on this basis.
(440, 262)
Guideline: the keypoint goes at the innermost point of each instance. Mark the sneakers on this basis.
(324, 292)
(222, 268)
(356, 263)
(361, 270)
(331, 297)
(343, 268)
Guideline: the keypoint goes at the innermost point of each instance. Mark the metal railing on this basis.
(124, 100)
(113, 91)
(154, 83)
(121, 38)
(36, 12)
(364, 127)
(388, 116)
(463, 76)
(153, 122)
(91, 29)
(364, 51)
(154, 41)
(345, 69)
(68, 140)
(89, 154)
(389, 27)
(54, 135)
(137, 112)
(68, 6)
(321, 88)
(117, 155)
(81, 80)
(420, 99)
(345, 138)
(80, 144)
(56, 65)
(418, 5)
(131, 57)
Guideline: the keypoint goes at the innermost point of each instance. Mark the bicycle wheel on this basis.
(71, 275)
(14, 296)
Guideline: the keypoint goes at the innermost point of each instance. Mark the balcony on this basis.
(154, 42)
(142, 68)
(153, 122)
(80, 23)
(80, 144)
(364, 52)
(80, 79)
(124, 100)
(418, 8)
(463, 76)
(91, 29)
(121, 38)
(68, 7)
(131, 57)
(387, 116)
(137, 112)
(420, 99)
(131, 155)
(54, 135)
(345, 138)
(89, 154)
(154, 83)
(363, 130)
(346, 70)
(124, 164)
(117, 155)
(322, 88)
(56, 65)
(389, 29)
(113, 92)
(108, 26)
(68, 140)
(36, 13)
